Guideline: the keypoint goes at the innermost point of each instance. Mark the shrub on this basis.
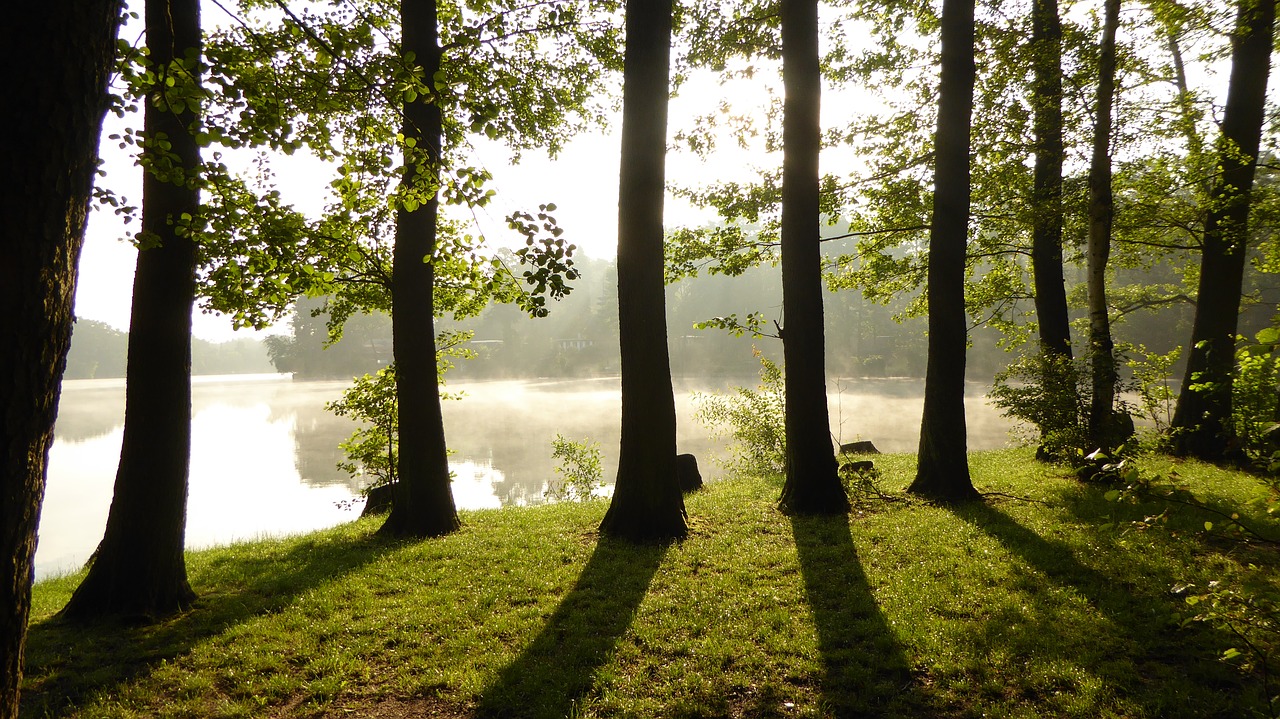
(1253, 395)
(1049, 392)
(371, 448)
(579, 470)
(753, 418)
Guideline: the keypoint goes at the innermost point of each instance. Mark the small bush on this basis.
(579, 470)
(1254, 396)
(371, 449)
(1051, 393)
(753, 418)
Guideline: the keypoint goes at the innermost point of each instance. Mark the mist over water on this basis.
(264, 450)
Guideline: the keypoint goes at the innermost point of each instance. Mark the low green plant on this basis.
(371, 400)
(1254, 395)
(1245, 607)
(753, 418)
(1250, 612)
(371, 449)
(1049, 392)
(1152, 382)
(862, 485)
(579, 473)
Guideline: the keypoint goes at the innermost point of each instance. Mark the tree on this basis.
(423, 505)
(812, 485)
(64, 98)
(942, 471)
(1046, 198)
(1101, 215)
(522, 73)
(647, 504)
(1202, 418)
(139, 569)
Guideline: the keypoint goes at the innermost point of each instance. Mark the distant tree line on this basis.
(99, 351)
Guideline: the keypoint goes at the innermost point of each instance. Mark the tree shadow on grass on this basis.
(865, 670)
(558, 668)
(1143, 653)
(69, 663)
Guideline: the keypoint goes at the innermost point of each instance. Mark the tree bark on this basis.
(812, 485)
(1101, 213)
(423, 505)
(1046, 199)
(1202, 419)
(647, 504)
(139, 569)
(63, 100)
(942, 471)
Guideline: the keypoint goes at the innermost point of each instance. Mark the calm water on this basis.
(264, 449)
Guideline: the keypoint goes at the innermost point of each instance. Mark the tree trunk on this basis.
(1202, 418)
(1101, 212)
(63, 100)
(647, 504)
(812, 485)
(423, 505)
(1046, 232)
(942, 471)
(139, 570)
(1187, 114)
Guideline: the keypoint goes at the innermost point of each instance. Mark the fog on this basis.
(264, 449)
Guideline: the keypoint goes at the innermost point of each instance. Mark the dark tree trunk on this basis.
(942, 471)
(1046, 231)
(1202, 419)
(812, 485)
(139, 570)
(1102, 360)
(63, 98)
(647, 504)
(423, 505)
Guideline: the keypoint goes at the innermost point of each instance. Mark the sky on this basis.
(582, 181)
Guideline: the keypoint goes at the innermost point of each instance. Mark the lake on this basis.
(264, 449)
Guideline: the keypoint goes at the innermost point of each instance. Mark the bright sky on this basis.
(582, 182)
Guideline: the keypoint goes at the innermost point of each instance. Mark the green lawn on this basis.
(1057, 607)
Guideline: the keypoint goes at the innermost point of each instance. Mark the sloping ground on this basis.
(1059, 606)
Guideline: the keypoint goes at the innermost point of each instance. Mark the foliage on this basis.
(1254, 395)
(371, 399)
(753, 418)
(1050, 392)
(1245, 607)
(371, 449)
(863, 486)
(1250, 612)
(579, 470)
(1153, 382)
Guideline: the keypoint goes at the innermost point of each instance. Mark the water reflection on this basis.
(264, 450)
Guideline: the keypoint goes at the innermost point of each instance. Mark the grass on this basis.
(1053, 607)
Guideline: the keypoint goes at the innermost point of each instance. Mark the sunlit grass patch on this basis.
(1003, 608)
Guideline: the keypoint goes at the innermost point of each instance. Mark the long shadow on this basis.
(865, 670)
(68, 663)
(1168, 661)
(558, 668)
